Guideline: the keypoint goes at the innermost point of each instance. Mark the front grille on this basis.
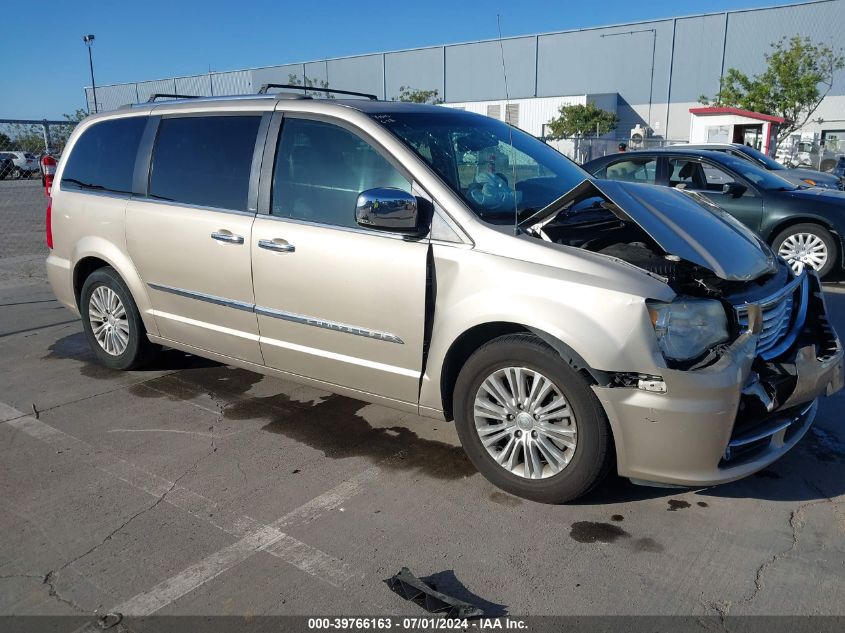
(783, 317)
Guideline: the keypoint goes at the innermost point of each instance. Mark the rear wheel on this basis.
(112, 323)
(807, 246)
(529, 422)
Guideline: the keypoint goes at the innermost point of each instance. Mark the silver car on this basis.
(446, 264)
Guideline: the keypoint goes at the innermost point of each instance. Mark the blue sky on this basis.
(44, 65)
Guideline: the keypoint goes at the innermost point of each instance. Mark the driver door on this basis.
(709, 179)
(337, 302)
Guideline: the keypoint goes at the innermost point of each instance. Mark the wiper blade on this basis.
(84, 185)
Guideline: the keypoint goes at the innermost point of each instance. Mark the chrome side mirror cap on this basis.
(389, 209)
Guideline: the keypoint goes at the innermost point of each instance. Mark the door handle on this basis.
(273, 245)
(227, 237)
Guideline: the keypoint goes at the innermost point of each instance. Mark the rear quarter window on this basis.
(103, 158)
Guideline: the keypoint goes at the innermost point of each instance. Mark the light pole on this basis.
(89, 42)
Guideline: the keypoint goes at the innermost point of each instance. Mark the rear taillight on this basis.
(49, 224)
(48, 167)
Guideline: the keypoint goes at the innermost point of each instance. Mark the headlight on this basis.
(686, 327)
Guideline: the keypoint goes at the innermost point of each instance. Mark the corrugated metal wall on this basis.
(689, 54)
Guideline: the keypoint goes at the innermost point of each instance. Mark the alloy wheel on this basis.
(109, 321)
(525, 423)
(802, 250)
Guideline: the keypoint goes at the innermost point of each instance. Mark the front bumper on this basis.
(711, 426)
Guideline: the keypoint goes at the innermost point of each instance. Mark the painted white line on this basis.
(198, 574)
(217, 436)
(254, 536)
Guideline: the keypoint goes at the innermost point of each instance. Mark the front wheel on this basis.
(529, 422)
(112, 323)
(807, 246)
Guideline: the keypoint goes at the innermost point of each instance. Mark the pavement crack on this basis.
(796, 523)
(12, 576)
(241, 471)
(47, 580)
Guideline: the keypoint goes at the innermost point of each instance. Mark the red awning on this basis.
(736, 111)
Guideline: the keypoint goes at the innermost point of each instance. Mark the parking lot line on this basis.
(253, 535)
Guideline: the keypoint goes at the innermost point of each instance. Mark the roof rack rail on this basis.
(164, 95)
(263, 90)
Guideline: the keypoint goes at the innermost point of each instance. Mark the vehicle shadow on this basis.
(75, 347)
(334, 425)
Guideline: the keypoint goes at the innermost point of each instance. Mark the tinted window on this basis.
(321, 169)
(104, 156)
(632, 170)
(204, 160)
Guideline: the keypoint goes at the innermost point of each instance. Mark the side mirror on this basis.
(734, 189)
(388, 209)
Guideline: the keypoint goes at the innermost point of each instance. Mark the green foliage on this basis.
(27, 138)
(412, 95)
(5, 141)
(313, 85)
(581, 120)
(798, 75)
(76, 117)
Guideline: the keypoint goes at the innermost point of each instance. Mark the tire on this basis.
(16, 173)
(136, 351)
(813, 236)
(591, 453)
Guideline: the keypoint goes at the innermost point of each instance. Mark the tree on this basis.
(581, 120)
(5, 141)
(798, 76)
(76, 117)
(412, 95)
(313, 85)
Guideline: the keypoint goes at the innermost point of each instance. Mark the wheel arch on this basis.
(471, 339)
(94, 253)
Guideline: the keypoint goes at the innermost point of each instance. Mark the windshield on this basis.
(473, 154)
(756, 175)
(760, 157)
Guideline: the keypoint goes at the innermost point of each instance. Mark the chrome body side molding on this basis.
(280, 314)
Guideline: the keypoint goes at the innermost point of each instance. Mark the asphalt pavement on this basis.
(193, 488)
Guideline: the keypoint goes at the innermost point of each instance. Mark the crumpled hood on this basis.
(683, 224)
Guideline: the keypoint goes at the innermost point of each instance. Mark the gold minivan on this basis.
(447, 264)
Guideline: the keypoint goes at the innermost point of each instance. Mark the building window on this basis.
(512, 114)
(494, 111)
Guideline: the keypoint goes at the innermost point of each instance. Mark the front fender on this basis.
(589, 313)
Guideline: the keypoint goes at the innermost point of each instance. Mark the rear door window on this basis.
(103, 158)
(204, 160)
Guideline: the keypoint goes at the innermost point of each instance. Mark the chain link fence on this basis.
(583, 150)
(22, 201)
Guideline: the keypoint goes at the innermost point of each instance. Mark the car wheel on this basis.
(16, 173)
(807, 246)
(529, 422)
(112, 323)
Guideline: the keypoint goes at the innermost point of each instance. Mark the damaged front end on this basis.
(742, 398)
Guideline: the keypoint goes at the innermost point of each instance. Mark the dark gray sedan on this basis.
(795, 175)
(804, 224)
